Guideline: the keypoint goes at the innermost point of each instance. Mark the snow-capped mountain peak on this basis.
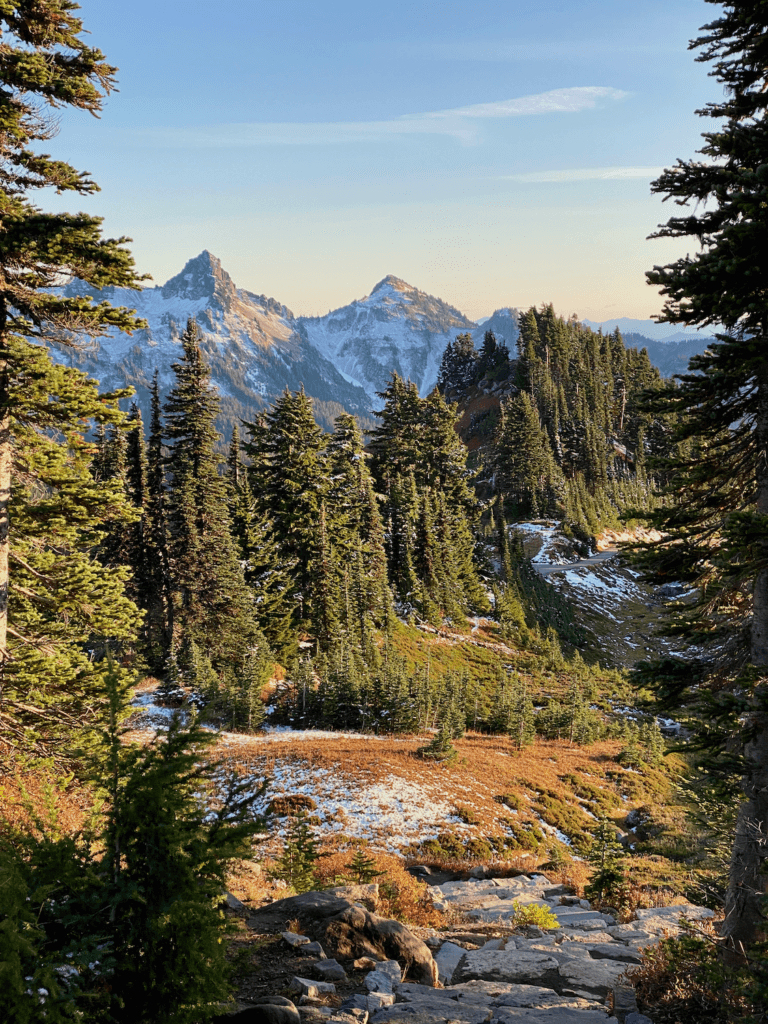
(395, 327)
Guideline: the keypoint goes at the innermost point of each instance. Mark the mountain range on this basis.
(256, 347)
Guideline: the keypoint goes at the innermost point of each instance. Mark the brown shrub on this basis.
(290, 803)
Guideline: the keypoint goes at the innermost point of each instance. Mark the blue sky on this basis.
(491, 153)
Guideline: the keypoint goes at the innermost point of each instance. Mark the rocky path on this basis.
(573, 974)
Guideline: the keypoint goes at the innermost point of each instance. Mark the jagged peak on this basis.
(396, 283)
(202, 277)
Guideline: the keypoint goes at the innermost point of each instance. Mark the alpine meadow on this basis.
(393, 664)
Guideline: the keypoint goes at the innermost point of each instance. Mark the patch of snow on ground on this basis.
(390, 812)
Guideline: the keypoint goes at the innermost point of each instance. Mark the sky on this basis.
(493, 153)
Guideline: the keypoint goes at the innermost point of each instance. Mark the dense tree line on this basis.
(573, 439)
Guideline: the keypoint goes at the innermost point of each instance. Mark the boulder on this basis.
(330, 970)
(377, 1000)
(313, 989)
(551, 1015)
(368, 894)
(598, 976)
(309, 908)
(416, 1013)
(355, 932)
(313, 949)
(378, 981)
(268, 1010)
(511, 965)
(447, 960)
(294, 940)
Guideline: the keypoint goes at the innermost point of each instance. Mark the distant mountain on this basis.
(647, 328)
(672, 356)
(503, 323)
(396, 327)
(255, 346)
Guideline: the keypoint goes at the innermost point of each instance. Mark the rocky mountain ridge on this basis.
(253, 344)
(257, 347)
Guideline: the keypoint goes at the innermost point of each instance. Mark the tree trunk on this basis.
(746, 918)
(5, 498)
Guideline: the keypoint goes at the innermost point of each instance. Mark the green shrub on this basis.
(533, 914)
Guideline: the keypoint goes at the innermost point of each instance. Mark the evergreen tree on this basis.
(607, 883)
(46, 65)
(296, 864)
(289, 481)
(716, 531)
(267, 572)
(211, 600)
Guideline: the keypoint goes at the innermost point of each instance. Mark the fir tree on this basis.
(296, 864)
(211, 599)
(715, 529)
(46, 65)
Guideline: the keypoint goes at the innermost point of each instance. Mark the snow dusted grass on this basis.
(376, 790)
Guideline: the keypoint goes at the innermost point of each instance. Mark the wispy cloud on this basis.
(585, 174)
(458, 122)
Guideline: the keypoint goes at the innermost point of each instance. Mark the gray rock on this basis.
(447, 960)
(514, 965)
(378, 1000)
(598, 976)
(614, 951)
(378, 981)
(330, 970)
(308, 907)
(502, 994)
(295, 940)
(268, 1010)
(551, 1015)
(235, 904)
(577, 916)
(314, 989)
(313, 949)
(478, 872)
(413, 1013)
(391, 968)
(353, 1017)
(688, 910)
(355, 1003)
(637, 1018)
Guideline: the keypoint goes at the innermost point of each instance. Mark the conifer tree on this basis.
(46, 65)
(716, 533)
(289, 481)
(267, 572)
(211, 599)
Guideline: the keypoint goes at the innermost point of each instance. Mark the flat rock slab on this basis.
(598, 976)
(553, 1015)
(504, 994)
(513, 965)
(447, 959)
(613, 951)
(410, 1013)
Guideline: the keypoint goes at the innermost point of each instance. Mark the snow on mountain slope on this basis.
(503, 323)
(396, 327)
(254, 345)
